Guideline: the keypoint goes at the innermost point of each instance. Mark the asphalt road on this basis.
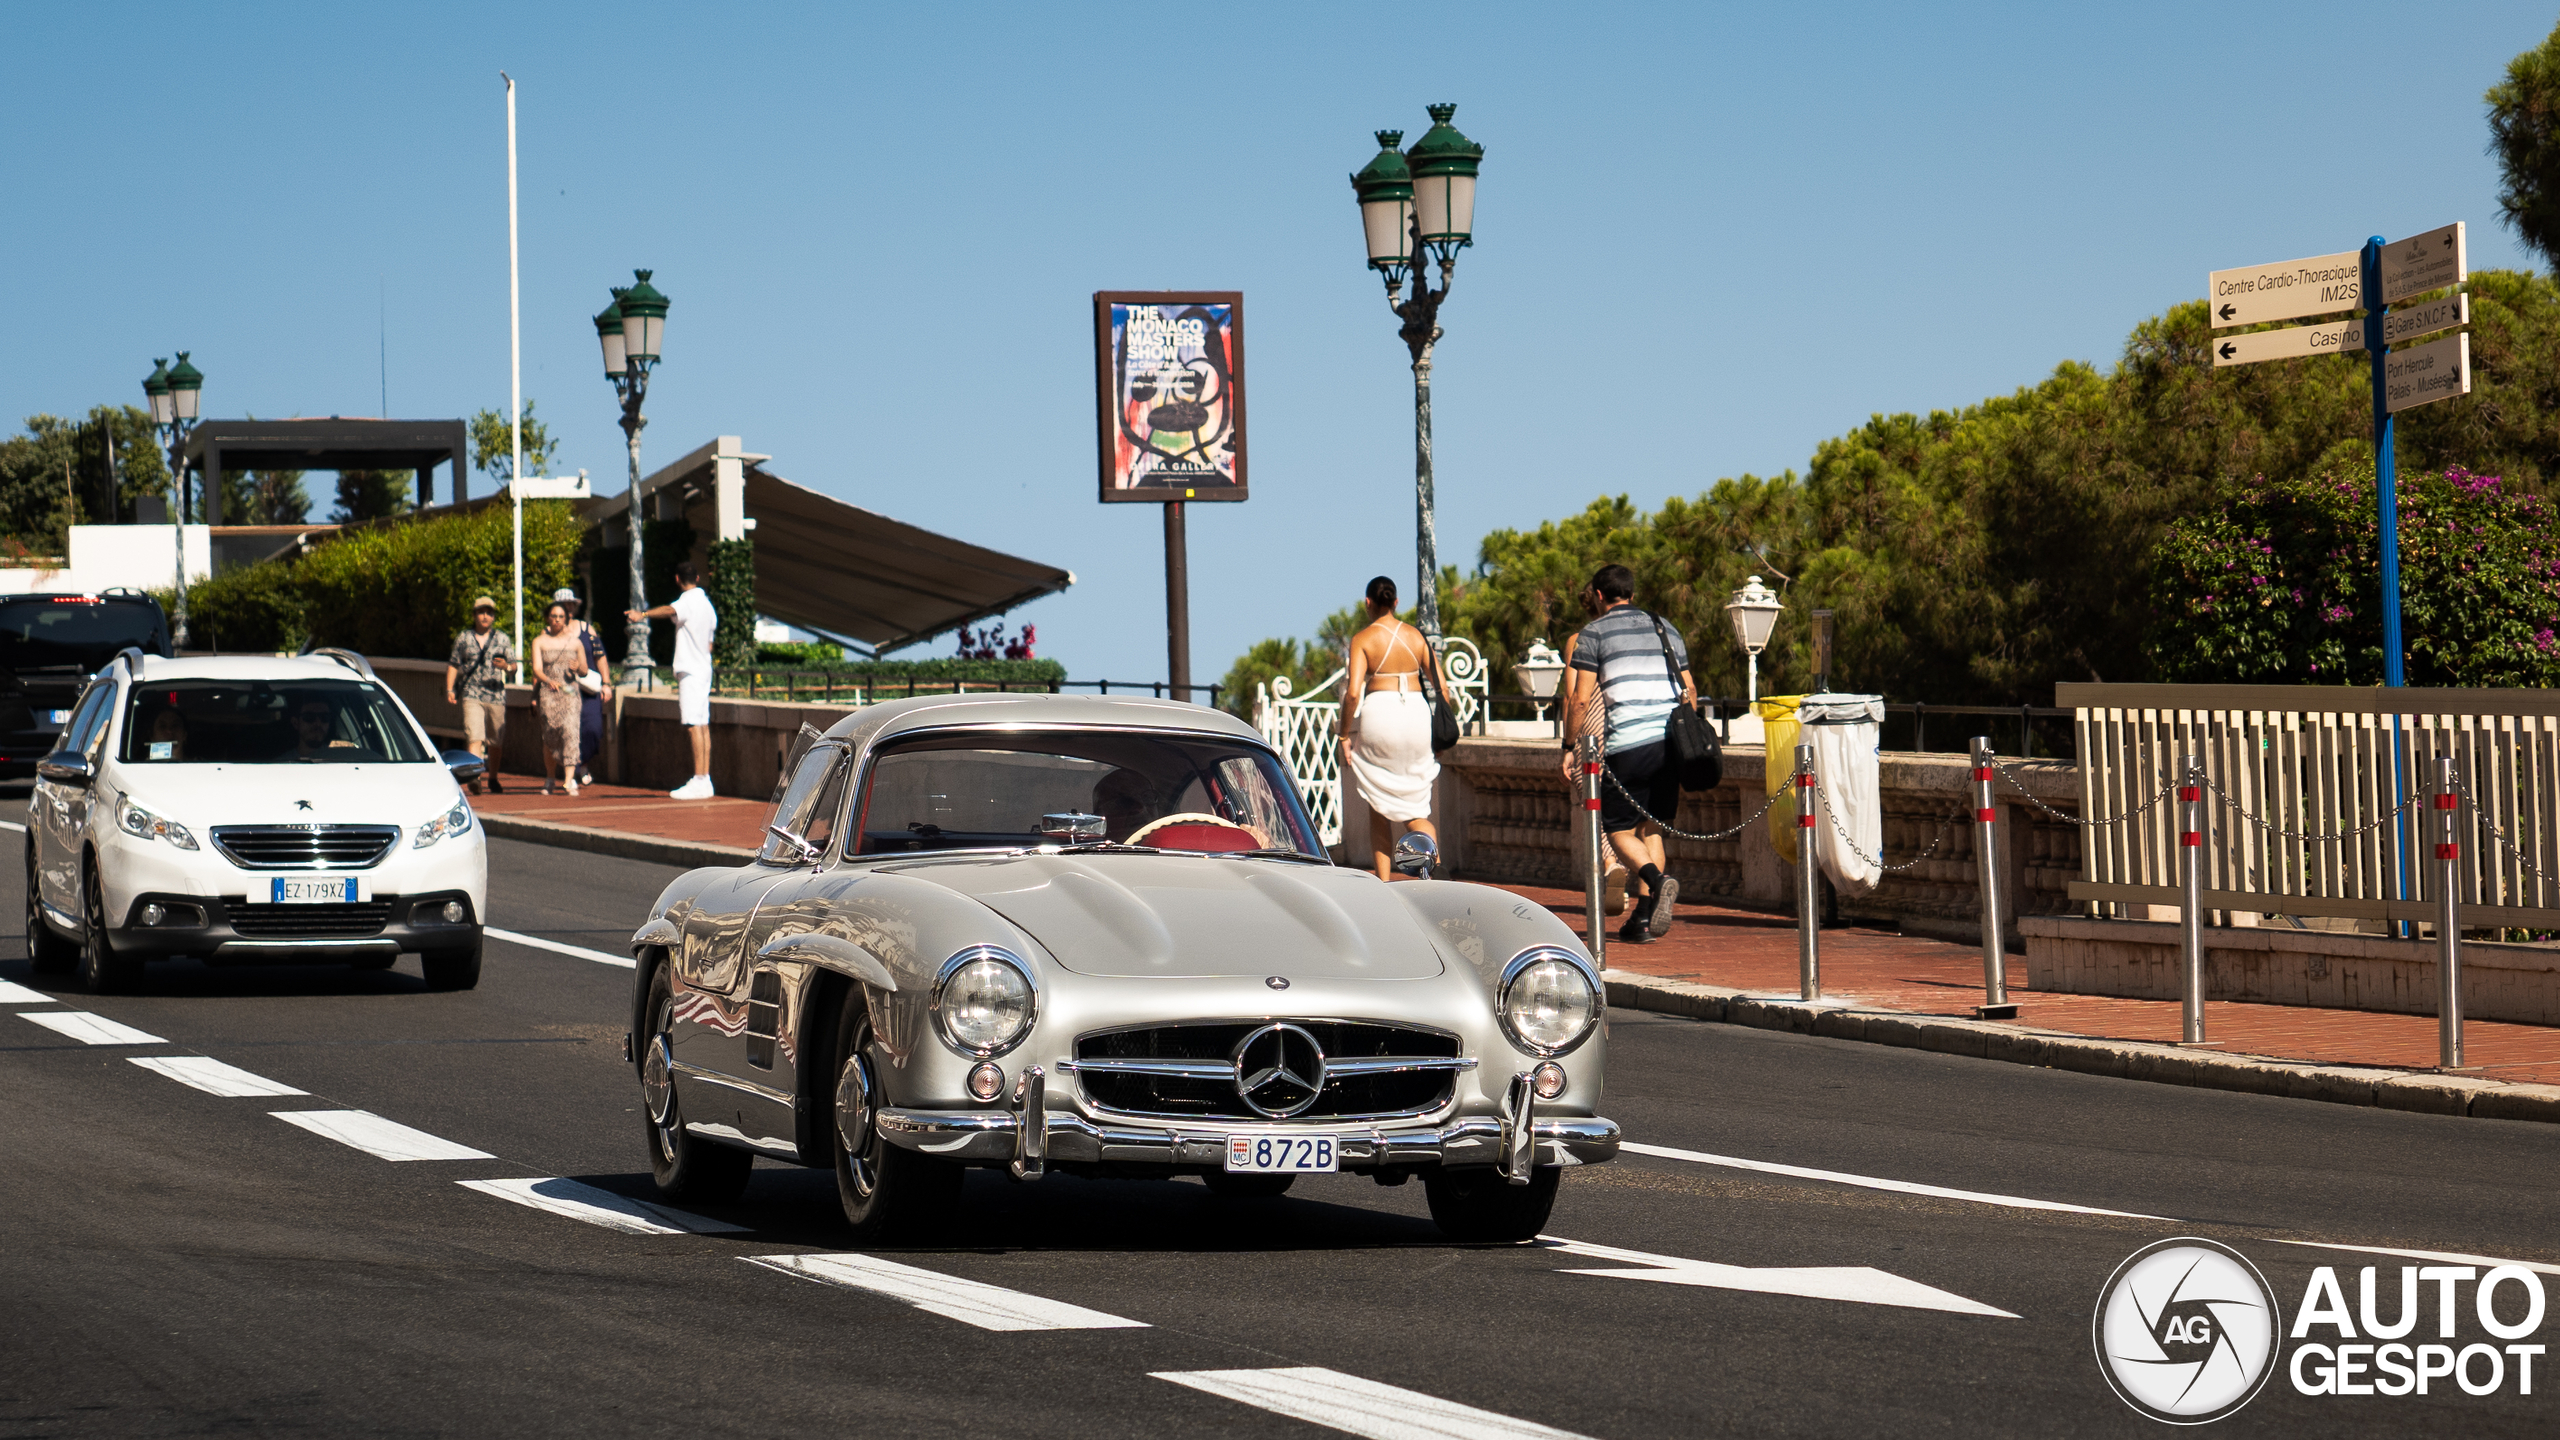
(180, 1262)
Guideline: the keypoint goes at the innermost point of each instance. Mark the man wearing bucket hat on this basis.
(475, 677)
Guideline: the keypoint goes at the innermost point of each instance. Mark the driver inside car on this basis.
(313, 719)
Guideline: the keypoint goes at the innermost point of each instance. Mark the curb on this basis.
(688, 853)
(2422, 1091)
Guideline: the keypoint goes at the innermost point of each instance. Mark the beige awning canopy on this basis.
(825, 566)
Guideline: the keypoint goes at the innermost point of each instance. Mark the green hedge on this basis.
(394, 590)
(947, 667)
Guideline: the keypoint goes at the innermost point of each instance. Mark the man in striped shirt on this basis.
(1623, 672)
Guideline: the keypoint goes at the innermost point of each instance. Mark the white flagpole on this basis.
(515, 372)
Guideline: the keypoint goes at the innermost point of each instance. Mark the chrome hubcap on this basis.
(853, 1122)
(658, 1080)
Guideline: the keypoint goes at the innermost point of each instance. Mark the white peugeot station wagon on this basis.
(251, 810)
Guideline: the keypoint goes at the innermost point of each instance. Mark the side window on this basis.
(90, 719)
(812, 796)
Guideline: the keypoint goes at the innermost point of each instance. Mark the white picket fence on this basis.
(1306, 730)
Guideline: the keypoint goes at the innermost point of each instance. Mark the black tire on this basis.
(888, 1191)
(685, 1166)
(450, 969)
(1247, 1187)
(102, 970)
(1480, 1207)
(48, 952)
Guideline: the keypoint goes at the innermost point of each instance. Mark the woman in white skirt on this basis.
(1386, 723)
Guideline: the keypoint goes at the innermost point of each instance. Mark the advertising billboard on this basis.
(1169, 366)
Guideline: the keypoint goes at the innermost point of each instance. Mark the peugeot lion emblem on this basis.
(1279, 1070)
(303, 804)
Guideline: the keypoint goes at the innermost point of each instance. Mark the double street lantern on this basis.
(1416, 206)
(629, 331)
(176, 398)
(1754, 612)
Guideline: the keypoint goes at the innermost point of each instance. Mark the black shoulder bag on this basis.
(1444, 720)
(1689, 744)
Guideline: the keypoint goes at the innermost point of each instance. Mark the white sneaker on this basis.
(697, 788)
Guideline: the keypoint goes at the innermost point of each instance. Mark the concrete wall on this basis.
(2291, 967)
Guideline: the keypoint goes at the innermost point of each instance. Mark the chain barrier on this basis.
(1660, 824)
(1824, 795)
(2462, 787)
(2315, 836)
(2165, 792)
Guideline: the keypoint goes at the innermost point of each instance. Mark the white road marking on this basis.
(601, 957)
(2450, 1257)
(601, 1207)
(91, 1029)
(989, 1307)
(13, 993)
(1870, 1182)
(1359, 1407)
(1858, 1284)
(13, 825)
(374, 1135)
(212, 1076)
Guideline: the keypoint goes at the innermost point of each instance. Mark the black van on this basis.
(49, 647)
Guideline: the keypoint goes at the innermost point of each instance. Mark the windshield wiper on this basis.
(1276, 854)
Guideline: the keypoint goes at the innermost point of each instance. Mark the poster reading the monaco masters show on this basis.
(1170, 365)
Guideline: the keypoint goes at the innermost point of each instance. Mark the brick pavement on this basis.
(1752, 951)
(1880, 969)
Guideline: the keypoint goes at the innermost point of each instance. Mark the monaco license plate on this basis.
(1288, 1154)
(316, 889)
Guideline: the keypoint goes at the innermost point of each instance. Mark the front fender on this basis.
(828, 952)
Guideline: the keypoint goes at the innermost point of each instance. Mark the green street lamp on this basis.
(1419, 206)
(629, 331)
(176, 400)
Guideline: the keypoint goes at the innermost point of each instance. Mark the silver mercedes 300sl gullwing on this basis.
(1099, 935)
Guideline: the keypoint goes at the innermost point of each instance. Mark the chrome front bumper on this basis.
(992, 1136)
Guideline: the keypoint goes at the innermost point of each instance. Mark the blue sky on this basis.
(1708, 236)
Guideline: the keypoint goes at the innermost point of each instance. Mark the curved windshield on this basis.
(81, 630)
(1173, 792)
(259, 722)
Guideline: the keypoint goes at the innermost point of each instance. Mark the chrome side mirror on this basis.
(809, 854)
(1416, 855)
(1071, 826)
(465, 766)
(67, 767)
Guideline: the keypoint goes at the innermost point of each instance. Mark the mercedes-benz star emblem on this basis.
(1279, 1070)
(1276, 982)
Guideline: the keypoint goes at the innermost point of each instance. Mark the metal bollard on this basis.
(2191, 905)
(1986, 853)
(1808, 883)
(1587, 749)
(2448, 920)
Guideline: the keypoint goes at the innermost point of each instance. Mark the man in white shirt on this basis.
(695, 622)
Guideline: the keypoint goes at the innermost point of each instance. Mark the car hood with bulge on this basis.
(1166, 916)
(201, 796)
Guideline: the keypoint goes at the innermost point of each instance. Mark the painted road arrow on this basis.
(1856, 1284)
(2337, 338)
(2425, 262)
(2286, 290)
(2427, 373)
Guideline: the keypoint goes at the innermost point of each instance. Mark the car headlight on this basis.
(451, 822)
(984, 1002)
(143, 825)
(1549, 1002)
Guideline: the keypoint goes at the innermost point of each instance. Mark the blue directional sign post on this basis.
(2376, 278)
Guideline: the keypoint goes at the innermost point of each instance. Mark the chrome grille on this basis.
(308, 922)
(304, 847)
(1373, 1070)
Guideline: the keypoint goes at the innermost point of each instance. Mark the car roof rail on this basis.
(348, 658)
(132, 656)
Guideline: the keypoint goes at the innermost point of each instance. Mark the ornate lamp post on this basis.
(1419, 205)
(1539, 671)
(630, 330)
(1754, 612)
(176, 401)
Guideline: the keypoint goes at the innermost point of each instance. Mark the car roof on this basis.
(1035, 711)
(247, 667)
